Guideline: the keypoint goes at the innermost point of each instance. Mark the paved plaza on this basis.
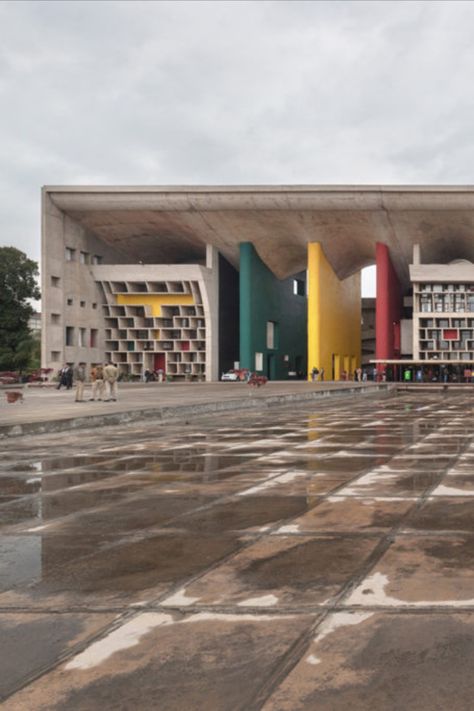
(311, 557)
(45, 409)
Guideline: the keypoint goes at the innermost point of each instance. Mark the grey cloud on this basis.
(206, 92)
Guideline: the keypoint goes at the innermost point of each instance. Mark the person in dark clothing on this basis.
(69, 376)
(62, 377)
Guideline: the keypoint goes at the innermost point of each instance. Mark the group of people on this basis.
(103, 379)
(359, 375)
(150, 376)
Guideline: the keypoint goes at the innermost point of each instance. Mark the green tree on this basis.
(18, 284)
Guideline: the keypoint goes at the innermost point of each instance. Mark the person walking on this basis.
(98, 386)
(62, 377)
(80, 378)
(110, 377)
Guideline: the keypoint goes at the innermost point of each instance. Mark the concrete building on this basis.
(194, 280)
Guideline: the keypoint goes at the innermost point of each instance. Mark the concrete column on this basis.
(210, 296)
(388, 305)
(334, 316)
(314, 309)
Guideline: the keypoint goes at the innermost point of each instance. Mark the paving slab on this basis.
(33, 642)
(421, 572)
(114, 576)
(280, 571)
(159, 661)
(338, 513)
(362, 661)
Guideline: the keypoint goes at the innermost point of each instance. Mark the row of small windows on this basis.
(70, 302)
(81, 337)
(55, 281)
(84, 257)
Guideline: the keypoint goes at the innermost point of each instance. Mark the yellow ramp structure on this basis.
(334, 318)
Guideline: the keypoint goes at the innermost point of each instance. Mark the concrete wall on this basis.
(76, 283)
(334, 317)
(458, 271)
(265, 298)
(388, 305)
(406, 328)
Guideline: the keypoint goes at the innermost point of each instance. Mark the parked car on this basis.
(8, 377)
(231, 375)
(234, 374)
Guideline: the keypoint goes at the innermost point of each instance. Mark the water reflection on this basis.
(61, 510)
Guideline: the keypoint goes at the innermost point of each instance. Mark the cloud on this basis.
(206, 92)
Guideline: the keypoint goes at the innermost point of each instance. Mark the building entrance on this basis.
(271, 366)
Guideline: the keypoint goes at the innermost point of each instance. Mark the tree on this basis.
(18, 284)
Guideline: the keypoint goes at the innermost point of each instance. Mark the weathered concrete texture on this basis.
(348, 221)
(320, 559)
(366, 661)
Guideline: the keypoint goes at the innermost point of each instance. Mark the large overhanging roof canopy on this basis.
(164, 224)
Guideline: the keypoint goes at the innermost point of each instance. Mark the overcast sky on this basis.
(230, 93)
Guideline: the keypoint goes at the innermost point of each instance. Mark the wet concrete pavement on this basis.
(45, 409)
(311, 558)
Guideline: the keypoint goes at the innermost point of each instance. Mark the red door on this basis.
(160, 362)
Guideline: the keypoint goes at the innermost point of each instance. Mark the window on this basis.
(70, 254)
(270, 334)
(69, 335)
(83, 303)
(299, 287)
(94, 334)
(94, 305)
(258, 361)
(55, 281)
(96, 259)
(55, 318)
(55, 356)
(84, 258)
(82, 337)
(69, 302)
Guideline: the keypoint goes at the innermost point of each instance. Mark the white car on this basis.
(230, 375)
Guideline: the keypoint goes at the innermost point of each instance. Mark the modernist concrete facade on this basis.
(195, 279)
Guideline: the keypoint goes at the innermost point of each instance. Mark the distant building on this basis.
(443, 311)
(197, 280)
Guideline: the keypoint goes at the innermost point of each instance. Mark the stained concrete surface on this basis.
(318, 558)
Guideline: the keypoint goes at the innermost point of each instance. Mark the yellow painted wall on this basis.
(334, 314)
(156, 301)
